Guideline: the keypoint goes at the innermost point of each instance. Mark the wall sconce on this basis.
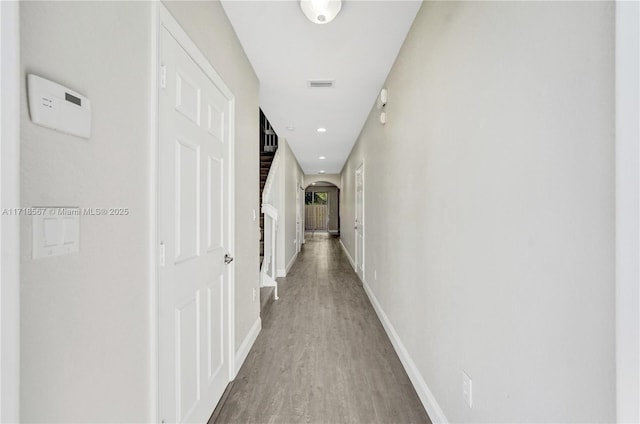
(321, 11)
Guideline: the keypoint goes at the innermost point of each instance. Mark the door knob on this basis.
(228, 259)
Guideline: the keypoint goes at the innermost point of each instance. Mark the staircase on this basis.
(268, 148)
(266, 159)
(270, 176)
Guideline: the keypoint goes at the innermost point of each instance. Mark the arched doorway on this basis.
(322, 208)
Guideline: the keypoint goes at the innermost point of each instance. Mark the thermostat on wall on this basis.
(57, 107)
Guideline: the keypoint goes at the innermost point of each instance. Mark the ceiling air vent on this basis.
(320, 83)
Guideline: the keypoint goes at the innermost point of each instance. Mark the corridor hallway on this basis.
(323, 355)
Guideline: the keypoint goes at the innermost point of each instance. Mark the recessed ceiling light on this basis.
(322, 172)
(291, 128)
(322, 158)
(321, 129)
(313, 183)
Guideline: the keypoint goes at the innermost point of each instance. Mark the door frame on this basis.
(299, 214)
(161, 17)
(10, 224)
(327, 218)
(359, 255)
(301, 205)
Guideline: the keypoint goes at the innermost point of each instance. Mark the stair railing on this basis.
(270, 143)
(268, 137)
(270, 202)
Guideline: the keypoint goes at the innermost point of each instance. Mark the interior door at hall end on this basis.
(193, 231)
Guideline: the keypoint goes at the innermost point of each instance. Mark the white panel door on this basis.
(193, 232)
(359, 225)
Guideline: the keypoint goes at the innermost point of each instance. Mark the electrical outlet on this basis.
(255, 292)
(467, 389)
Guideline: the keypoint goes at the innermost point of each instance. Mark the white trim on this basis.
(268, 209)
(283, 272)
(302, 217)
(299, 210)
(291, 262)
(426, 397)
(231, 301)
(246, 345)
(360, 255)
(267, 281)
(346, 252)
(627, 211)
(10, 225)
(167, 21)
(154, 402)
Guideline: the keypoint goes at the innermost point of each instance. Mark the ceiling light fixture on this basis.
(321, 129)
(322, 172)
(322, 158)
(321, 11)
(382, 103)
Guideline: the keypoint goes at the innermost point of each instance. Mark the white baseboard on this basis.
(426, 397)
(247, 343)
(267, 281)
(351, 261)
(281, 273)
(291, 262)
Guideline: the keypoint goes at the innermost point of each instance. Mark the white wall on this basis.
(9, 224)
(490, 208)
(292, 179)
(86, 329)
(85, 317)
(208, 26)
(628, 211)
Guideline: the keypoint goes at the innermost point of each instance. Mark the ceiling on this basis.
(356, 50)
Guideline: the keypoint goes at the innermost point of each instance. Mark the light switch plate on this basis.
(56, 231)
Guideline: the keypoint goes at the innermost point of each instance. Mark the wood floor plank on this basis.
(322, 355)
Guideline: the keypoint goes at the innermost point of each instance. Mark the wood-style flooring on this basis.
(323, 355)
